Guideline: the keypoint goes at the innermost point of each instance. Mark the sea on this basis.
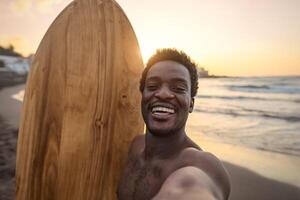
(257, 112)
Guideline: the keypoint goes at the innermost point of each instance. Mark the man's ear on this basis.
(191, 105)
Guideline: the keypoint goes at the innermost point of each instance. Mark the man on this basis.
(165, 164)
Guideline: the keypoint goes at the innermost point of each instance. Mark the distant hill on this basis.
(9, 51)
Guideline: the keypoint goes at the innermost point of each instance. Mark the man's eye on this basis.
(151, 87)
(179, 89)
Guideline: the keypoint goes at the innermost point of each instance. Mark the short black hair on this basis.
(176, 56)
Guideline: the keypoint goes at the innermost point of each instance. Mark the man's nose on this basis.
(164, 93)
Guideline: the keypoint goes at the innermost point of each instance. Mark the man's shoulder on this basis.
(192, 155)
(208, 163)
(204, 160)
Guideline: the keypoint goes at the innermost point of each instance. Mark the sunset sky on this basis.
(227, 37)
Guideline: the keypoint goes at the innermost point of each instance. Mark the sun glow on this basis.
(226, 38)
(148, 45)
(146, 52)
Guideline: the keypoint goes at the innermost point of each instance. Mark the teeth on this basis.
(163, 109)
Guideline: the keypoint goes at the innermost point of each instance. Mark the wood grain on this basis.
(81, 107)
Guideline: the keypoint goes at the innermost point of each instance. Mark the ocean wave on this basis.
(281, 89)
(296, 100)
(249, 113)
(244, 98)
(288, 148)
(251, 86)
(276, 149)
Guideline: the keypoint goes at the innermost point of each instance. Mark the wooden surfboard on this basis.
(81, 107)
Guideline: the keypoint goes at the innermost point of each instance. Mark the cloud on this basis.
(20, 44)
(43, 6)
(21, 5)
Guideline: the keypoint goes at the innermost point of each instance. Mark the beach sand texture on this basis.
(267, 176)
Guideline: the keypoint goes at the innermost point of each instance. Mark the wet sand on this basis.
(8, 142)
(246, 184)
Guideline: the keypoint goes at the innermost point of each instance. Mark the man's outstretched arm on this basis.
(189, 183)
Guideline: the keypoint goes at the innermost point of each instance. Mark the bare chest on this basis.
(143, 180)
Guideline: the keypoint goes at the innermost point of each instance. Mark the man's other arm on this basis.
(204, 178)
(189, 183)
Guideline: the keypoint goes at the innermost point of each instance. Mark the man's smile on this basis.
(162, 111)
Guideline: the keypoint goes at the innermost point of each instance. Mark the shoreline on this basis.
(10, 108)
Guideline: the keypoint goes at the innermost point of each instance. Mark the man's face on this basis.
(166, 99)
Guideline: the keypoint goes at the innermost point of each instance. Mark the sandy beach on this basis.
(280, 167)
(254, 174)
(9, 123)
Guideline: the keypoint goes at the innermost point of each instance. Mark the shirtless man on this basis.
(165, 164)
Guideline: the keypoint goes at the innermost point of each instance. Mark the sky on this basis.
(226, 37)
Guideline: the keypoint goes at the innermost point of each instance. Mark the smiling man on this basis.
(165, 164)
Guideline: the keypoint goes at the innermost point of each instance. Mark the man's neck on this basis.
(162, 147)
